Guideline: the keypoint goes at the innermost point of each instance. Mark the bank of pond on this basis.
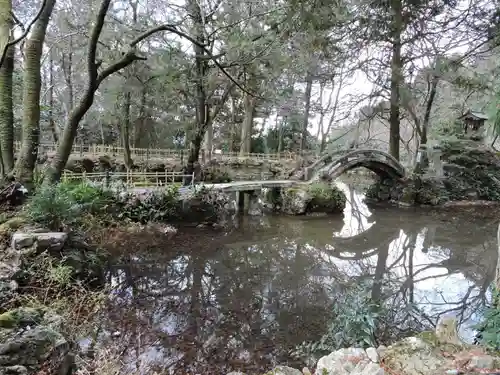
(94, 281)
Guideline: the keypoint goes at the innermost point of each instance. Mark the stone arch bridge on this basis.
(333, 164)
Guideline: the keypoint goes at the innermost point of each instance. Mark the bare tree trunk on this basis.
(247, 126)
(497, 271)
(233, 124)
(31, 96)
(125, 126)
(125, 130)
(139, 130)
(6, 104)
(428, 108)
(396, 77)
(209, 140)
(201, 67)
(67, 68)
(307, 98)
(280, 134)
(52, 123)
(333, 118)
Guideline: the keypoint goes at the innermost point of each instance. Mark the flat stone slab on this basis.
(45, 240)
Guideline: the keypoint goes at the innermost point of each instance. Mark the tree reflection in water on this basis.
(219, 302)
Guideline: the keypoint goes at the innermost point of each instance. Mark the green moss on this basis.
(12, 225)
(429, 337)
(325, 198)
(8, 320)
(21, 316)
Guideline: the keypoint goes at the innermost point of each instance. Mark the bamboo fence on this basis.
(131, 179)
(156, 153)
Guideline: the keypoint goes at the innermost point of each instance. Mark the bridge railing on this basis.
(132, 179)
(157, 153)
(330, 162)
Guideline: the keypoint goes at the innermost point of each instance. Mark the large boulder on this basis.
(349, 361)
(313, 198)
(31, 342)
(295, 201)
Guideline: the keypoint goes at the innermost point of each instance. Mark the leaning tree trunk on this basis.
(6, 107)
(32, 83)
(94, 79)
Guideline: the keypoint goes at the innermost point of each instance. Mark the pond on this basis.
(242, 299)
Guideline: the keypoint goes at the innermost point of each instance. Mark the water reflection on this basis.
(214, 303)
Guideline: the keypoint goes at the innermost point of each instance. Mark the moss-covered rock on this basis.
(319, 197)
(326, 198)
(42, 347)
(471, 173)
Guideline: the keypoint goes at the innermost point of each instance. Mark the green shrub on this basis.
(490, 326)
(52, 207)
(55, 206)
(92, 198)
(157, 207)
(353, 323)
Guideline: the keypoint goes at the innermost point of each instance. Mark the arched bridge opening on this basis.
(331, 166)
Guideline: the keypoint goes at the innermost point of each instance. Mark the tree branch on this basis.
(173, 29)
(24, 34)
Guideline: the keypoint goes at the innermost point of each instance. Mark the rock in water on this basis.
(295, 201)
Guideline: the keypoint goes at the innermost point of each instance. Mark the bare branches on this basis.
(24, 34)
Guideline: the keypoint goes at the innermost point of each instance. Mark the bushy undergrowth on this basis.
(85, 205)
(357, 320)
(157, 207)
(64, 204)
(353, 322)
(489, 328)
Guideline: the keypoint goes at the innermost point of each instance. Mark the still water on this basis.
(241, 299)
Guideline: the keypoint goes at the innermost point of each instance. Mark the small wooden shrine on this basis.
(473, 124)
